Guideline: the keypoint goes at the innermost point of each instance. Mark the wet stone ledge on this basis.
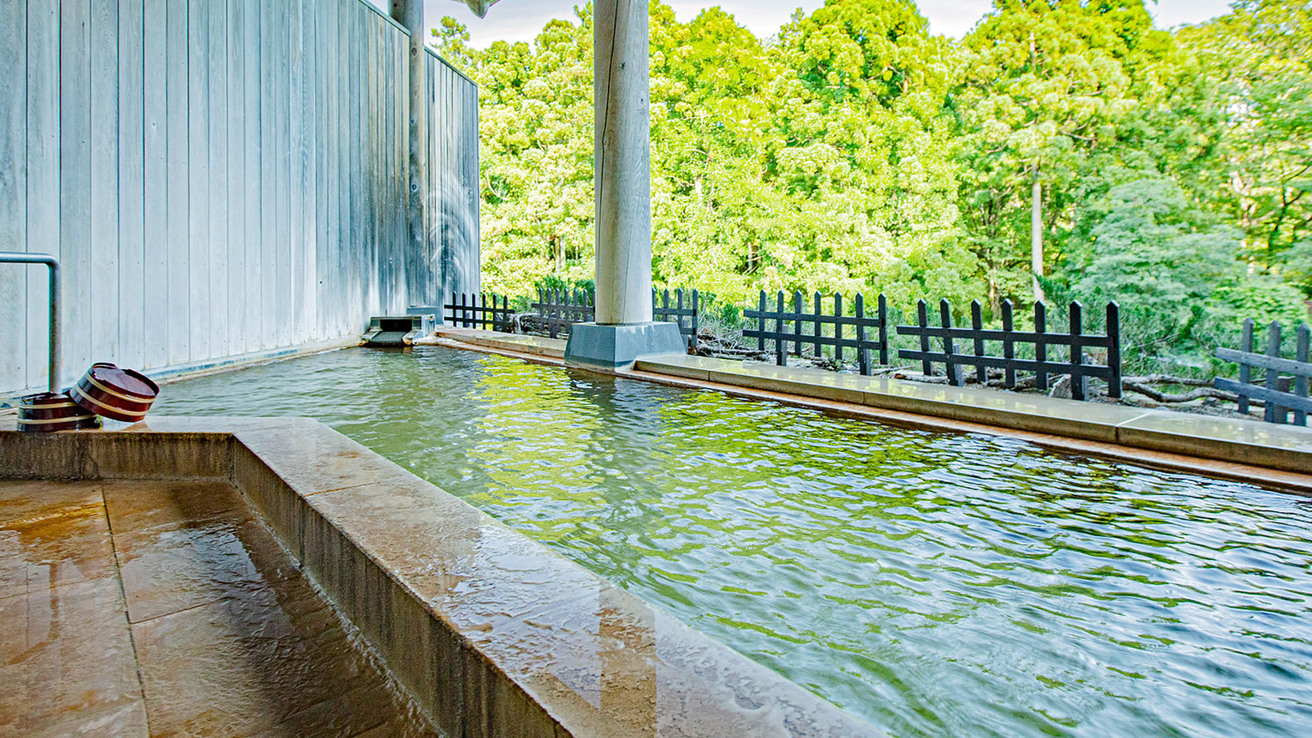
(490, 632)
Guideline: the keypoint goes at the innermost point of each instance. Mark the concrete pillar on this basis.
(419, 265)
(623, 331)
(622, 170)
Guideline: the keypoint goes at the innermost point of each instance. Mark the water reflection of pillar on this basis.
(628, 661)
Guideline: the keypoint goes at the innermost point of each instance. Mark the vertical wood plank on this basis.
(179, 201)
(357, 251)
(373, 206)
(282, 73)
(296, 180)
(44, 191)
(254, 93)
(338, 196)
(158, 315)
(1274, 413)
(267, 127)
(75, 183)
(103, 279)
(216, 38)
(132, 184)
(235, 103)
(13, 197)
(198, 180)
(319, 55)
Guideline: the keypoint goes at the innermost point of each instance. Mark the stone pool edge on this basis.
(1234, 449)
(490, 632)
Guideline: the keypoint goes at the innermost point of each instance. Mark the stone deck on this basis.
(163, 608)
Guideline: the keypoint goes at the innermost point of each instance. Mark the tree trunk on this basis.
(1036, 233)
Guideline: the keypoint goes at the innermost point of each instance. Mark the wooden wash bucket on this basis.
(119, 394)
(48, 412)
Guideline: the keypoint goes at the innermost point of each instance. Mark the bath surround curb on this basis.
(490, 632)
(1244, 450)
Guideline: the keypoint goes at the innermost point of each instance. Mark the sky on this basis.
(522, 20)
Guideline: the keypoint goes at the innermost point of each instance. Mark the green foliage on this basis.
(856, 152)
(1176, 273)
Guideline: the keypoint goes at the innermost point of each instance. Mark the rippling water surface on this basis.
(934, 584)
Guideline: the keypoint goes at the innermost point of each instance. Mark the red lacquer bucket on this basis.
(120, 394)
(48, 412)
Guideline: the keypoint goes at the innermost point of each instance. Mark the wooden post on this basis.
(1245, 373)
(922, 314)
(622, 155)
(797, 323)
(949, 347)
(1274, 414)
(838, 327)
(819, 326)
(1008, 347)
(977, 325)
(780, 345)
(1114, 350)
(1300, 382)
(1040, 345)
(883, 330)
(1077, 351)
(696, 318)
(862, 353)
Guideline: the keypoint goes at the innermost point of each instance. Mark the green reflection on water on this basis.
(935, 584)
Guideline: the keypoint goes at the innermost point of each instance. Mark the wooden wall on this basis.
(219, 178)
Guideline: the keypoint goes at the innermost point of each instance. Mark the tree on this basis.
(1261, 54)
(1043, 88)
(1175, 271)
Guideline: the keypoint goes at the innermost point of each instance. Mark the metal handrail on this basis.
(9, 257)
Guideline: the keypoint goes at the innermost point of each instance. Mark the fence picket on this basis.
(1273, 414)
(1040, 345)
(1114, 349)
(977, 324)
(797, 323)
(792, 326)
(1079, 382)
(1280, 395)
(922, 313)
(469, 313)
(949, 347)
(862, 352)
(1245, 372)
(1300, 383)
(1008, 346)
(838, 327)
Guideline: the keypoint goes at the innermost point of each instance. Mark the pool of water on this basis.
(933, 583)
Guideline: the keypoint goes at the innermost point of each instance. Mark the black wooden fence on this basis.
(1053, 353)
(494, 313)
(662, 311)
(819, 328)
(561, 308)
(1281, 394)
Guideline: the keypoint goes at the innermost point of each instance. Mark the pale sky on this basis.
(522, 20)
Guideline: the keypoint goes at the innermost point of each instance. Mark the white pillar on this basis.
(622, 162)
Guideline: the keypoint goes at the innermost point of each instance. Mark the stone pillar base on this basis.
(616, 347)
